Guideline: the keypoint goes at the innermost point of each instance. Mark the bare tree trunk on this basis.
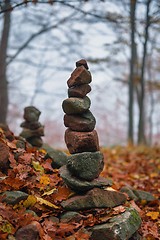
(3, 57)
(131, 78)
(141, 125)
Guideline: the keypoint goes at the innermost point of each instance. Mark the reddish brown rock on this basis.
(79, 76)
(80, 123)
(79, 91)
(78, 142)
(95, 198)
(82, 62)
(8, 134)
(28, 232)
(4, 155)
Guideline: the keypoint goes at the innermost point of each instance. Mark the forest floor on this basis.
(28, 171)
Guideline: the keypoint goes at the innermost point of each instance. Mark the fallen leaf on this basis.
(38, 167)
(46, 203)
(153, 215)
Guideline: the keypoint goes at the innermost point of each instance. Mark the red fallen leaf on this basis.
(47, 165)
(14, 183)
(3, 236)
(12, 160)
(89, 221)
(66, 228)
(150, 229)
(11, 145)
(82, 235)
(118, 210)
(134, 205)
(62, 193)
(26, 158)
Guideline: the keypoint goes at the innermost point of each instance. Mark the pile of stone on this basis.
(86, 162)
(84, 165)
(32, 128)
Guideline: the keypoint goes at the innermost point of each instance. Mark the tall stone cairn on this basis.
(32, 128)
(84, 165)
(86, 161)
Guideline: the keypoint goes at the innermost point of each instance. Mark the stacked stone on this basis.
(32, 128)
(86, 161)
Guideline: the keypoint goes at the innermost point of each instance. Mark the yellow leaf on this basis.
(45, 180)
(45, 202)
(30, 201)
(38, 167)
(153, 215)
(154, 174)
(42, 150)
(49, 192)
(6, 227)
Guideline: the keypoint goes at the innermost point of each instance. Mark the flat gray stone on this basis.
(86, 165)
(13, 197)
(58, 157)
(137, 195)
(81, 123)
(143, 195)
(120, 227)
(95, 198)
(76, 105)
(80, 185)
(28, 133)
(70, 216)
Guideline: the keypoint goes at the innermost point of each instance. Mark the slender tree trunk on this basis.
(131, 78)
(3, 57)
(141, 125)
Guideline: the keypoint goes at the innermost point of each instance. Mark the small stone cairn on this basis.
(84, 165)
(32, 128)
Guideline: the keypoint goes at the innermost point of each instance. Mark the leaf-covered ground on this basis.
(28, 171)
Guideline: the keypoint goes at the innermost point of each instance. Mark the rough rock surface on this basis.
(28, 232)
(78, 142)
(31, 125)
(58, 157)
(76, 105)
(120, 227)
(31, 114)
(95, 198)
(137, 195)
(13, 197)
(81, 123)
(71, 216)
(79, 76)
(79, 91)
(86, 165)
(81, 185)
(82, 62)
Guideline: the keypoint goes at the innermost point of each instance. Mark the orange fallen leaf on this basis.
(153, 215)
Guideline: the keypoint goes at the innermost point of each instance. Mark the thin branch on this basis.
(33, 36)
(25, 2)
